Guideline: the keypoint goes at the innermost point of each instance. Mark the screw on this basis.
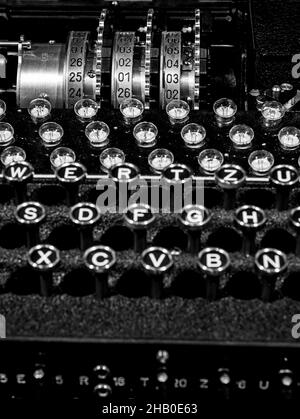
(162, 356)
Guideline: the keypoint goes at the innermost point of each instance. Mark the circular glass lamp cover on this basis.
(210, 160)
(160, 159)
(110, 157)
(62, 155)
(261, 161)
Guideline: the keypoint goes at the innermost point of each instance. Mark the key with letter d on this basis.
(85, 215)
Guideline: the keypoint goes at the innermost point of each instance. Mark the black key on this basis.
(124, 174)
(283, 177)
(44, 258)
(175, 177)
(85, 215)
(270, 264)
(249, 219)
(139, 218)
(19, 174)
(177, 173)
(194, 218)
(230, 177)
(99, 260)
(295, 221)
(156, 261)
(30, 215)
(213, 263)
(70, 175)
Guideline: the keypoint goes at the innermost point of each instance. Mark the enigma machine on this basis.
(149, 204)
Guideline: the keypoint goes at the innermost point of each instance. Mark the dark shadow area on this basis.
(12, 236)
(279, 239)
(291, 286)
(262, 198)
(78, 282)
(134, 283)
(188, 284)
(23, 281)
(244, 285)
(6, 193)
(226, 238)
(64, 237)
(213, 198)
(118, 238)
(170, 238)
(49, 195)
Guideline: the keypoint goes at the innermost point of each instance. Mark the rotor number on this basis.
(172, 50)
(172, 63)
(172, 78)
(74, 92)
(124, 93)
(75, 77)
(125, 50)
(124, 62)
(172, 94)
(123, 77)
(76, 62)
(75, 50)
(172, 40)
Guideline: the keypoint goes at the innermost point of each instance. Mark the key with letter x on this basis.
(44, 258)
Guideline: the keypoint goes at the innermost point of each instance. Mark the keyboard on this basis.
(150, 219)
